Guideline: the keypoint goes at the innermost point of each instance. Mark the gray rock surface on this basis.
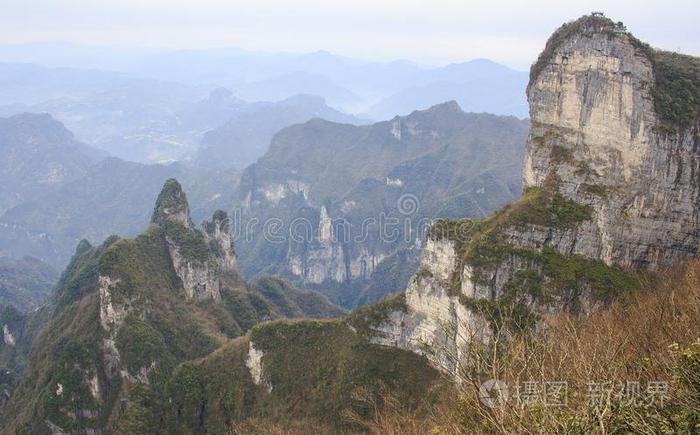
(596, 142)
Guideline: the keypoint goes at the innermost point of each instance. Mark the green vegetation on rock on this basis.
(171, 201)
(140, 416)
(560, 154)
(585, 24)
(600, 190)
(73, 380)
(364, 319)
(189, 242)
(503, 314)
(677, 89)
(319, 371)
(552, 276)
(537, 206)
(141, 345)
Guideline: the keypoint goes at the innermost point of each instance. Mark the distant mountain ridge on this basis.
(246, 135)
(26, 282)
(380, 90)
(440, 162)
(38, 154)
(57, 191)
(478, 86)
(156, 121)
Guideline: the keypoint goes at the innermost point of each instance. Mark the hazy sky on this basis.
(433, 31)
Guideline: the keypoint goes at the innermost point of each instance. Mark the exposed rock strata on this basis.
(609, 189)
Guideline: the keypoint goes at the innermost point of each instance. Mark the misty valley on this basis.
(229, 241)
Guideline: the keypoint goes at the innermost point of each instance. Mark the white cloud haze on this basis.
(437, 31)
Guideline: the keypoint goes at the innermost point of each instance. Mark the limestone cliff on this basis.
(218, 236)
(431, 319)
(611, 186)
(124, 315)
(196, 255)
(598, 128)
(342, 208)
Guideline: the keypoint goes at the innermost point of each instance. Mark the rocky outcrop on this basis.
(7, 336)
(198, 257)
(171, 206)
(331, 204)
(611, 185)
(125, 315)
(321, 260)
(255, 366)
(199, 279)
(434, 322)
(596, 129)
(217, 234)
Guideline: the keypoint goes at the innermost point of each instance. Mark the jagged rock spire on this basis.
(217, 234)
(172, 205)
(191, 250)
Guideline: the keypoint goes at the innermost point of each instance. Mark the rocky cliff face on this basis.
(351, 200)
(610, 187)
(217, 234)
(124, 315)
(431, 320)
(595, 128)
(198, 257)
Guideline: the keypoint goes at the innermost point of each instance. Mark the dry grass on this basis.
(648, 336)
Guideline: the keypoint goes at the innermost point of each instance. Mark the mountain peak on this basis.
(220, 94)
(445, 110)
(594, 23)
(172, 205)
(27, 124)
(83, 246)
(447, 107)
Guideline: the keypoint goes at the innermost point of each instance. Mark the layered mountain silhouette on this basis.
(126, 313)
(346, 178)
(25, 282)
(246, 136)
(57, 190)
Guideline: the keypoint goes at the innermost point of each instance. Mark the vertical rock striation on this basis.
(595, 127)
(218, 237)
(611, 186)
(342, 208)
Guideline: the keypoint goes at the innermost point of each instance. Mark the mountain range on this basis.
(587, 283)
(169, 79)
(100, 333)
(57, 190)
(96, 196)
(153, 121)
(342, 183)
